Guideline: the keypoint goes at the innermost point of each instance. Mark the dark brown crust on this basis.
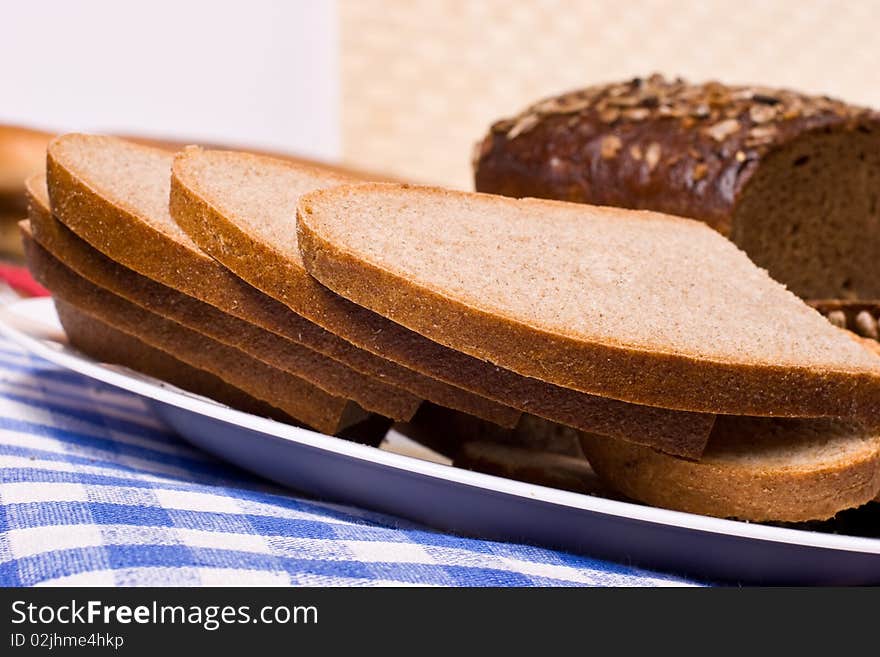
(294, 396)
(684, 434)
(637, 376)
(132, 243)
(107, 344)
(728, 491)
(328, 374)
(104, 343)
(705, 142)
(276, 278)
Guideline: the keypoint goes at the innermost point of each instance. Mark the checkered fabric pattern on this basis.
(95, 491)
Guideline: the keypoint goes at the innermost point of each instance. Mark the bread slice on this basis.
(239, 208)
(328, 374)
(638, 306)
(114, 195)
(760, 469)
(110, 345)
(107, 344)
(296, 397)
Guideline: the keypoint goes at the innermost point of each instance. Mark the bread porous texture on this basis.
(637, 306)
(330, 375)
(240, 207)
(114, 195)
(758, 469)
(810, 215)
(296, 397)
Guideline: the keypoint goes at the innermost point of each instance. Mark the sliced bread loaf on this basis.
(760, 469)
(114, 195)
(240, 207)
(103, 342)
(296, 397)
(638, 306)
(330, 375)
(107, 344)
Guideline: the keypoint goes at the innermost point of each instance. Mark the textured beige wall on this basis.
(422, 79)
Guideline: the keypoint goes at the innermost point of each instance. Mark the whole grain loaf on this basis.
(239, 208)
(793, 179)
(637, 306)
(330, 375)
(758, 469)
(296, 397)
(114, 195)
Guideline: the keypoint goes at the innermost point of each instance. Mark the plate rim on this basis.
(155, 389)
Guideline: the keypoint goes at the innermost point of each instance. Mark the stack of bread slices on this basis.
(689, 378)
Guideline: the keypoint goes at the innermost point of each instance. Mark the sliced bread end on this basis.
(757, 469)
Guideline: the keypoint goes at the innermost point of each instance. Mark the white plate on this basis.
(468, 502)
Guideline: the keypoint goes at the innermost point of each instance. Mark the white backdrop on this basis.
(261, 73)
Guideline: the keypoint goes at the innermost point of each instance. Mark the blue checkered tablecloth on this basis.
(95, 491)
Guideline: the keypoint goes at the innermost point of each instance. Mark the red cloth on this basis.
(20, 279)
